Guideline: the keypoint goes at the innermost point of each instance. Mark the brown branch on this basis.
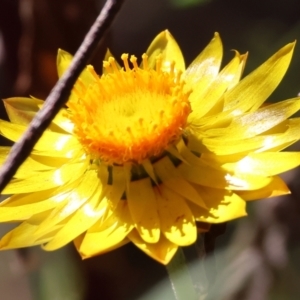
(59, 94)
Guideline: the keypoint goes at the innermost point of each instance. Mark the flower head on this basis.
(150, 153)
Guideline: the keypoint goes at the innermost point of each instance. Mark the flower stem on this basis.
(180, 277)
(59, 94)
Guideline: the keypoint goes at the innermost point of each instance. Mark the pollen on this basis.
(130, 113)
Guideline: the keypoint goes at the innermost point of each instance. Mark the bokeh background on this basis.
(253, 258)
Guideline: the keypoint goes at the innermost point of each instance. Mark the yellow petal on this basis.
(165, 45)
(204, 69)
(172, 179)
(108, 54)
(251, 124)
(265, 163)
(143, 208)
(40, 181)
(257, 163)
(187, 152)
(255, 88)
(22, 236)
(89, 246)
(72, 197)
(177, 221)
(147, 165)
(273, 142)
(219, 160)
(109, 235)
(62, 122)
(277, 187)
(162, 251)
(57, 145)
(20, 110)
(63, 62)
(243, 181)
(11, 131)
(118, 185)
(203, 174)
(218, 147)
(223, 206)
(203, 102)
(278, 142)
(212, 177)
(238, 74)
(52, 162)
(174, 152)
(50, 144)
(56, 193)
(85, 216)
(23, 206)
(30, 164)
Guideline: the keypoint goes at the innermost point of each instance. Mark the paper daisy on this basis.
(150, 153)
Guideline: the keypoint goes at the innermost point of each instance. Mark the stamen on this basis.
(102, 90)
(145, 61)
(133, 60)
(124, 57)
(107, 66)
(113, 64)
(79, 88)
(92, 71)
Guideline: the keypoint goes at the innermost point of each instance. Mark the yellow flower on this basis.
(150, 154)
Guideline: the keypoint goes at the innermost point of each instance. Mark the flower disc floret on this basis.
(130, 114)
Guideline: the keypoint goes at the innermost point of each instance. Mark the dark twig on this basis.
(59, 94)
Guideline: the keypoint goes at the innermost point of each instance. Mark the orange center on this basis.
(129, 114)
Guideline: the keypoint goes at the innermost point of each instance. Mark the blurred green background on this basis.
(257, 257)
